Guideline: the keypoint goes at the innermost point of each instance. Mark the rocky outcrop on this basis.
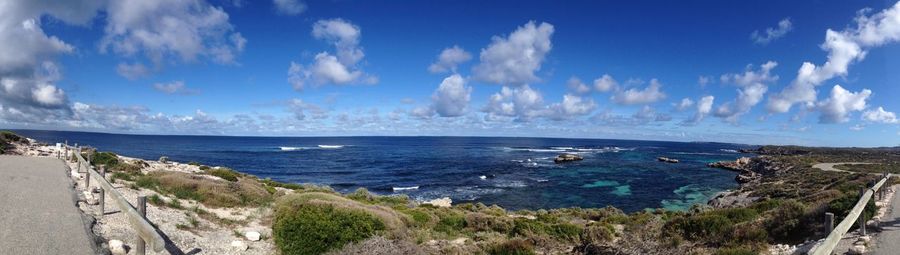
(562, 158)
(730, 199)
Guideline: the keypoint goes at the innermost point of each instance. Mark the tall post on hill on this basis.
(140, 245)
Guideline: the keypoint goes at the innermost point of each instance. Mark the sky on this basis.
(821, 73)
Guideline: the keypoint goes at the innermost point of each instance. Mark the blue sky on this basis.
(660, 70)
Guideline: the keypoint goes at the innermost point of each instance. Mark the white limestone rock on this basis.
(117, 247)
(252, 236)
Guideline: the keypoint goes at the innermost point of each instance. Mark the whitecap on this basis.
(287, 148)
(405, 188)
(729, 150)
(483, 177)
(330, 146)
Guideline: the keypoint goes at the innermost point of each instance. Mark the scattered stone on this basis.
(239, 245)
(459, 241)
(857, 250)
(163, 159)
(562, 158)
(252, 236)
(117, 247)
(440, 202)
(864, 239)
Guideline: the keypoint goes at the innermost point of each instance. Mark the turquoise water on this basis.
(515, 173)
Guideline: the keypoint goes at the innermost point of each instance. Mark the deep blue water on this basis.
(519, 173)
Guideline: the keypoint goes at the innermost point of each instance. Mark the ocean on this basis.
(514, 173)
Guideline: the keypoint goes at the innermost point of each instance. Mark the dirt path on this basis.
(38, 214)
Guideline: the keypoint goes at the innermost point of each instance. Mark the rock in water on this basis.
(252, 235)
(562, 158)
(117, 247)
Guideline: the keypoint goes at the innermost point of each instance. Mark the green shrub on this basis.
(224, 173)
(306, 225)
(108, 159)
(511, 247)
(9, 136)
(450, 222)
(482, 222)
(704, 227)
(787, 222)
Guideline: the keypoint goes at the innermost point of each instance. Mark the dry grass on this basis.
(210, 192)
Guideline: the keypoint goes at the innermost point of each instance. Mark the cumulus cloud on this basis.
(28, 71)
(451, 99)
(841, 103)
(337, 69)
(512, 60)
(704, 107)
(571, 106)
(165, 29)
(449, 59)
(704, 80)
(172, 88)
(752, 85)
(520, 104)
(605, 83)
(844, 48)
(300, 109)
(650, 94)
(576, 86)
(289, 7)
(772, 33)
(132, 71)
(880, 116)
(684, 104)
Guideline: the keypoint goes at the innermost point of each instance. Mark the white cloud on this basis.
(571, 106)
(684, 104)
(521, 104)
(175, 87)
(299, 109)
(704, 107)
(132, 71)
(289, 7)
(338, 69)
(451, 99)
(650, 94)
(449, 59)
(605, 83)
(512, 60)
(844, 48)
(880, 116)
(28, 71)
(162, 29)
(836, 108)
(576, 86)
(704, 80)
(857, 127)
(752, 85)
(772, 34)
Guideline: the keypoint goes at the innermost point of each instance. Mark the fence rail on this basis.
(827, 247)
(147, 232)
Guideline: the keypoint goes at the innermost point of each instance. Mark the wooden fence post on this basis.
(102, 191)
(862, 216)
(140, 246)
(87, 179)
(78, 151)
(829, 221)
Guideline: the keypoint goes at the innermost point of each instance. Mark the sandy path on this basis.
(37, 209)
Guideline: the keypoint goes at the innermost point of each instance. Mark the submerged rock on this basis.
(562, 158)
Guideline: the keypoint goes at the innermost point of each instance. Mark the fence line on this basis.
(146, 231)
(835, 236)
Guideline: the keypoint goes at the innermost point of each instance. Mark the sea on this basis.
(514, 173)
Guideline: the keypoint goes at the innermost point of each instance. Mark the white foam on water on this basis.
(405, 188)
(323, 146)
